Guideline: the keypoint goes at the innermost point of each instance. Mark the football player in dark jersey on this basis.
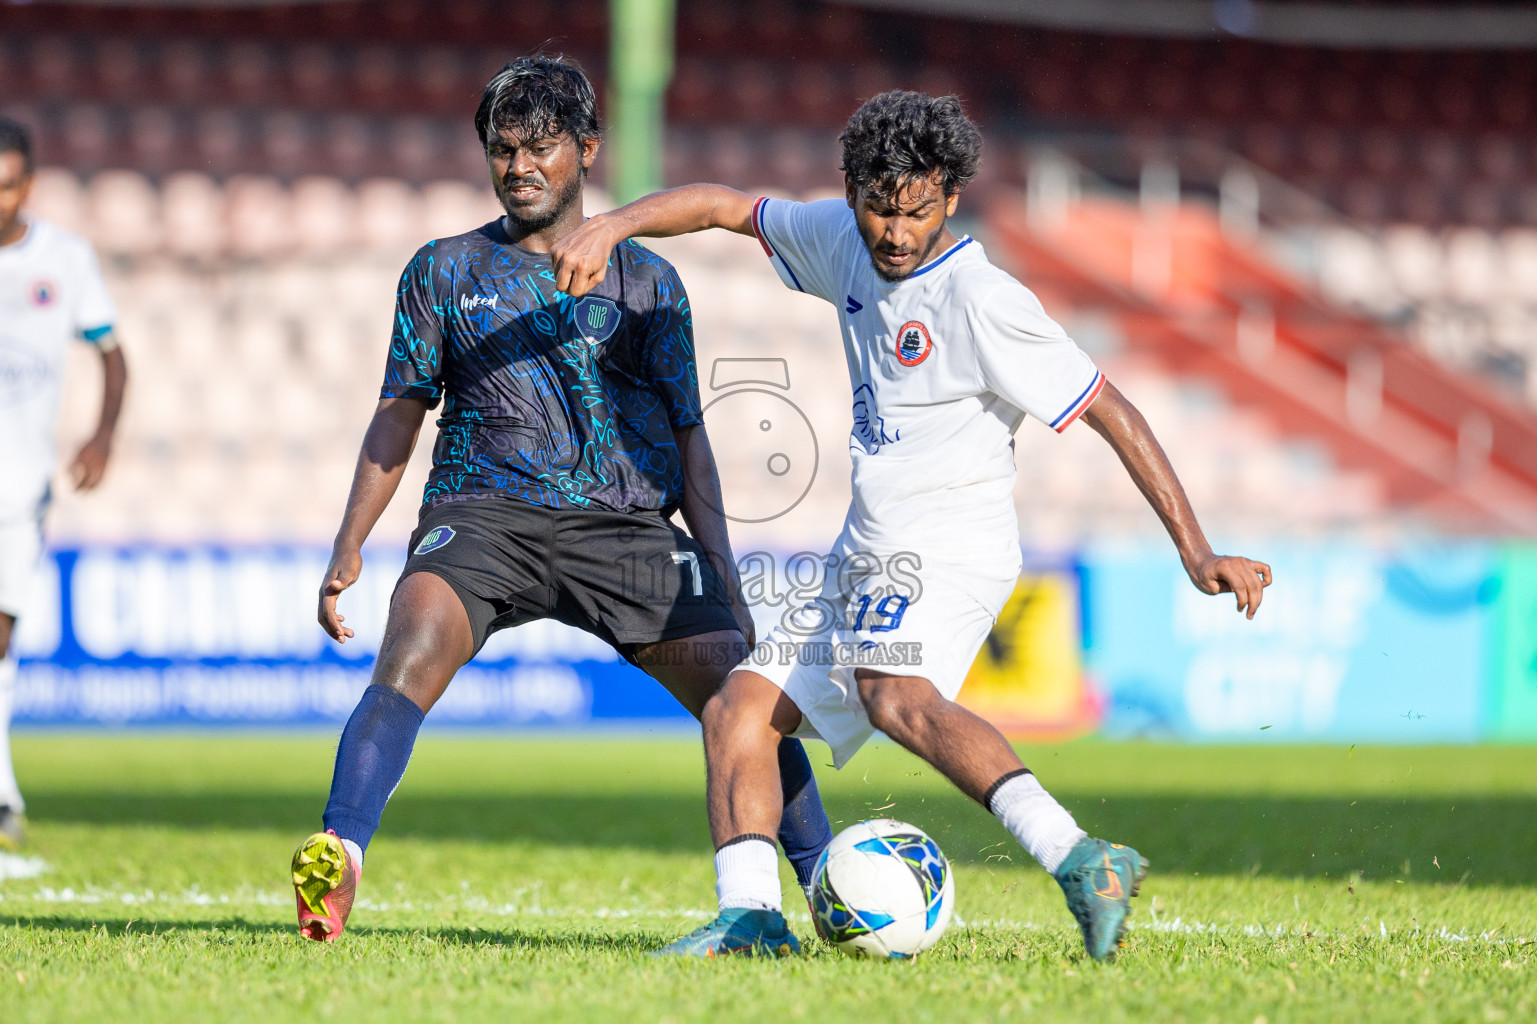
(571, 430)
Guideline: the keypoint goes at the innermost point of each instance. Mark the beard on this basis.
(918, 263)
(529, 222)
(888, 278)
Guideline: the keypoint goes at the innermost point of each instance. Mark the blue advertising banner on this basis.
(1349, 645)
(207, 636)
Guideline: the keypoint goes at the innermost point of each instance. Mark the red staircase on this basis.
(1204, 304)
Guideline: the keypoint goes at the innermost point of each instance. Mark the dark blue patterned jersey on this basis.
(560, 402)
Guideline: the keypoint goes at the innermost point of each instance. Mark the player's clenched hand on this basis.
(581, 258)
(1234, 574)
(90, 464)
(340, 574)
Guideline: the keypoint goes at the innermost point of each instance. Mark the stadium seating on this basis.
(1469, 294)
(255, 179)
(363, 88)
(257, 314)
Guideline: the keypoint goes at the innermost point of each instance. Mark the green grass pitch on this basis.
(524, 878)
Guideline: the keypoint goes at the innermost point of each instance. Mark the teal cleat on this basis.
(1099, 880)
(738, 932)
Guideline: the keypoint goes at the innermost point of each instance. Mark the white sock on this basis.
(355, 852)
(747, 875)
(1034, 817)
(10, 795)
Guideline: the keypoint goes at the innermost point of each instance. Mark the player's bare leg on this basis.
(965, 747)
(1098, 878)
(744, 725)
(693, 670)
(12, 824)
(426, 640)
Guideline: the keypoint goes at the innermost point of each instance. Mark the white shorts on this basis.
(932, 630)
(21, 551)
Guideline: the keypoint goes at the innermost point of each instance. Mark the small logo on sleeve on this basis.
(437, 537)
(913, 343)
(854, 305)
(43, 293)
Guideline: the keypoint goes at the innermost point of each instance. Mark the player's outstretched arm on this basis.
(581, 258)
(1119, 423)
(704, 513)
(90, 463)
(382, 462)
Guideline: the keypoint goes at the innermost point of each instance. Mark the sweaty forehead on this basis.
(519, 136)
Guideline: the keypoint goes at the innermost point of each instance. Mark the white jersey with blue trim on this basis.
(51, 292)
(944, 365)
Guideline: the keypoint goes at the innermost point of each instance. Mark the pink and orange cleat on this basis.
(325, 884)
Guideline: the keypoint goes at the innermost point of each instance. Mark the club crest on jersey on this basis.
(913, 343)
(437, 537)
(596, 319)
(43, 293)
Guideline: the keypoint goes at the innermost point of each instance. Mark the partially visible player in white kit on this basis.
(51, 293)
(947, 354)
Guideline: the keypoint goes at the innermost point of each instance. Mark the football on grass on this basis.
(883, 889)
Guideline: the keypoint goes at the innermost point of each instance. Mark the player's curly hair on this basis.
(899, 135)
(16, 139)
(539, 96)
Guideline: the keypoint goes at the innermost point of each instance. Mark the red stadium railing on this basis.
(1205, 305)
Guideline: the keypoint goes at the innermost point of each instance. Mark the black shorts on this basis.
(631, 579)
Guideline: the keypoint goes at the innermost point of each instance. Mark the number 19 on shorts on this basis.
(881, 616)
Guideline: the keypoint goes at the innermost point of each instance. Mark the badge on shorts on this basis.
(913, 343)
(596, 319)
(437, 537)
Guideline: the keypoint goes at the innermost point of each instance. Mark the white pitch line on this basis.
(1280, 931)
(13, 866)
(481, 905)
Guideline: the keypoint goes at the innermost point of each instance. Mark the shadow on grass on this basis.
(1439, 839)
(564, 941)
(120, 927)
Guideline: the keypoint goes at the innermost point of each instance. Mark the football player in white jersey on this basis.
(51, 292)
(947, 354)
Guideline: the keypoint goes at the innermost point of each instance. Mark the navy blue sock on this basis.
(803, 831)
(370, 761)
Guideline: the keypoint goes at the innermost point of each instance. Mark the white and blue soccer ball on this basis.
(883, 889)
